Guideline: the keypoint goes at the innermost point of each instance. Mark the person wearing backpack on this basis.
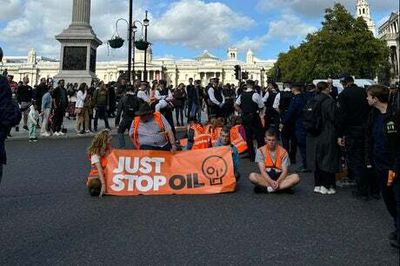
(127, 107)
(321, 142)
(10, 115)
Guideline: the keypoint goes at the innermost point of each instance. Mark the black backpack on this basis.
(131, 105)
(312, 116)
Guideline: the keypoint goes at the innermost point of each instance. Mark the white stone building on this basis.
(203, 67)
(364, 12)
(389, 31)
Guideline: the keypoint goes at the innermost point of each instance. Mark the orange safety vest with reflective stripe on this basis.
(237, 139)
(94, 173)
(280, 153)
(201, 140)
(136, 124)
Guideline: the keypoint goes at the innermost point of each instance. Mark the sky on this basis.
(179, 29)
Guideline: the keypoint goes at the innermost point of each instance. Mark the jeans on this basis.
(195, 111)
(45, 122)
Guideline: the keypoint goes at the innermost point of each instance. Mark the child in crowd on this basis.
(97, 153)
(33, 122)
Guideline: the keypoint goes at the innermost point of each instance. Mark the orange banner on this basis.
(135, 172)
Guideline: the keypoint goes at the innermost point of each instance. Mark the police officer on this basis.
(216, 98)
(352, 118)
(272, 116)
(281, 105)
(250, 105)
(127, 107)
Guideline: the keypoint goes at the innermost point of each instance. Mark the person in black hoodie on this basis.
(383, 146)
(351, 123)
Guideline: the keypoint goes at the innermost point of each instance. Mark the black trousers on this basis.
(124, 125)
(355, 153)
(254, 130)
(326, 179)
(101, 112)
(167, 113)
(289, 142)
(179, 114)
(58, 119)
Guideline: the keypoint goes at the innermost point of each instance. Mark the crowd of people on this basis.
(357, 128)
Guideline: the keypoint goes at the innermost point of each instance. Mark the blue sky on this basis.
(178, 29)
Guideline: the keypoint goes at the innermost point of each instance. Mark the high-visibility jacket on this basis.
(94, 173)
(215, 132)
(280, 153)
(201, 140)
(136, 124)
(237, 139)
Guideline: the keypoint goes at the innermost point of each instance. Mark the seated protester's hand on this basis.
(274, 184)
(174, 148)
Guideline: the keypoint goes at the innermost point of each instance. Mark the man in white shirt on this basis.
(216, 98)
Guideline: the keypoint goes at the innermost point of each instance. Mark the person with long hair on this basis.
(97, 153)
(82, 114)
(322, 149)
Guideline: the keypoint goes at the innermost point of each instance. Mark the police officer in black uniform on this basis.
(287, 130)
(127, 107)
(216, 99)
(250, 105)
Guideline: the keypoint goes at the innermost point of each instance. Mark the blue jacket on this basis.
(295, 112)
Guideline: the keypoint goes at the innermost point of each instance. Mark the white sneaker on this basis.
(61, 133)
(317, 189)
(331, 191)
(56, 133)
(323, 190)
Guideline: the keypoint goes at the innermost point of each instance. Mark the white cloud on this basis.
(288, 27)
(210, 28)
(254, 44)
(313, 8)
(9, 9)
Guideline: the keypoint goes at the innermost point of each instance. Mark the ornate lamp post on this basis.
(146, 23)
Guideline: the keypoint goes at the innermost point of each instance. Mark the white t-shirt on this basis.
(94, 159)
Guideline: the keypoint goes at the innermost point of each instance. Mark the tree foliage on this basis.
(343, 45)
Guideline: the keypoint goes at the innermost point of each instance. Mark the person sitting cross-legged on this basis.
(273, 162)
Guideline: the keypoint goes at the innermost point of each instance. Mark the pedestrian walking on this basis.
(60, 103)
(45, 114)
(33, 122)
(100, 101)
(82, 117)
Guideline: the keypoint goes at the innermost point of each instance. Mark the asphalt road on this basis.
(47, 218)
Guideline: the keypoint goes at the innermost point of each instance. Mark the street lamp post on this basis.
(130, 41)
(146, 23)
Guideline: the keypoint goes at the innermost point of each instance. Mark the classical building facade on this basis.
(389, 31)
(203, 67)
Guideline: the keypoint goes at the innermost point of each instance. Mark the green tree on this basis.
(343, 45)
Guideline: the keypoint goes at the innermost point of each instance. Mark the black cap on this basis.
(346, 78)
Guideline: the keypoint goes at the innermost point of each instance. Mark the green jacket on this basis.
(100, 97)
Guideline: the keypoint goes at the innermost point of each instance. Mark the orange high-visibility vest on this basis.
(237, 139)
(136, 123)
(280, 153)
(201, 140)
(94, 173)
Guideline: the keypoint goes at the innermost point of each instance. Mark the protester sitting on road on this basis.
(225, 140)
(97, 152)
(196, 136)
(273, 162)
(151, 131)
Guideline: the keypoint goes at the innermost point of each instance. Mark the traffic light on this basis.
(238, 72)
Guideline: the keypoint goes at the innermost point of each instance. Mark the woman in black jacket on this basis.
(322, 149)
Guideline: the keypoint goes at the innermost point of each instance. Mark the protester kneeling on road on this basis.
(151, 131)
(97, 153)
(273, 162)
(196, 136)
(225, 140)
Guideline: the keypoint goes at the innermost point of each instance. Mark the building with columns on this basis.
(364, 12)
(204, 67)
(389, 31)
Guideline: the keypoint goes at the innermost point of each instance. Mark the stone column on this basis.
(81, 12)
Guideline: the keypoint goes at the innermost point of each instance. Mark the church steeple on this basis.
(364, 12)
